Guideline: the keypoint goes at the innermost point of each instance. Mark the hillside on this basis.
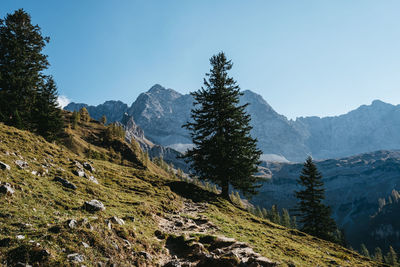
(149, 218)
(161, 112)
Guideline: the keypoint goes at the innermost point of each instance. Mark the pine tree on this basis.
(391, 257)
(47, 114)
(314, 216)
(285, 218)
(75, 119)
(84, 113)
(364, 251)
(103, 120)
(25, 92)
(293, 222)
(224, 151)
(274, 215)
(378, 257)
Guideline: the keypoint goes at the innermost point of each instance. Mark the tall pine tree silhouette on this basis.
(24, 88)
(224, 152)
(314, 217)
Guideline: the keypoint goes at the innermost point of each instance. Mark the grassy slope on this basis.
(126, 192)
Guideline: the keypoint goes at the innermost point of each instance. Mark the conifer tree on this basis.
(47, 114)
(274, 215)
(84, 114)
(24, 89)
(391, 257)
(75, 119)
(224, 151)
(364, 251)
(285, 218)
(293, 222)
(378, 257)
(103, 119)
(314, 216)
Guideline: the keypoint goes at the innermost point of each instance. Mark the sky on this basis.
(306, 58)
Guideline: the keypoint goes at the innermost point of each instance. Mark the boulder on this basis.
(79, 172)
(65, 182)
(117, 220)
(88, 167)
(20, 237)
(21, 164)
(93, 205)
(91, 178)
(4, 166)
(75, 257)
(6, 189)
(72, 224)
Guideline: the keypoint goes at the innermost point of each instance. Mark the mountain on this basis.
(368, 128)
(161, 112)
(112, 109)
(353, 185)
(80, 203)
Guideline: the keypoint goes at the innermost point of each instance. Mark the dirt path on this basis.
(192, 241)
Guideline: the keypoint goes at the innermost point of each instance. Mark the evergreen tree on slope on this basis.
(224, 151)
(314, 217)
(21, 74)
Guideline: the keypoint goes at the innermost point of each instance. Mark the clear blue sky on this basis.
(304, 57)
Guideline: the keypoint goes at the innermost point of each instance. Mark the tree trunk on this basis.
(225, 190)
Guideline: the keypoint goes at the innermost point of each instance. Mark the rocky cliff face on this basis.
(353, 187)
(368, 128)
(133, 131)
(161, 112)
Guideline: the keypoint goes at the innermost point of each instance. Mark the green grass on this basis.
(127, 192)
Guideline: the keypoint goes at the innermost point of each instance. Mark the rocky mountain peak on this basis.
(131, 129)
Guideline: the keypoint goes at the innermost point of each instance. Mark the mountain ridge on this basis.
(161, 112)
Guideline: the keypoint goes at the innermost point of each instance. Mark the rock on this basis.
(65, 182)
(91, 178)
(6, 189)
(117, 220)
(75, 257)
(21, 164)
(79, 172)
(93, 205)
(89, 167)
(260, 262)
(20, 237)
(127, 243)
(4, 166)
(198, 249)
(77, 164)
(72, 223)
